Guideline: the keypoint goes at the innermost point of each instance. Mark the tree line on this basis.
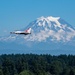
(33, 64)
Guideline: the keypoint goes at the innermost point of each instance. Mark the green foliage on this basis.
(1, 72)
(32, 64)
(56, 67)
(26, 72)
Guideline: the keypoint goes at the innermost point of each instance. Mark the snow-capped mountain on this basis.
(52, 28)
(47, 35)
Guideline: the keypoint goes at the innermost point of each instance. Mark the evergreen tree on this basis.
(1, 72)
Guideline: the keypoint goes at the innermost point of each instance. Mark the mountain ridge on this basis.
(48, 35)
(51, 26)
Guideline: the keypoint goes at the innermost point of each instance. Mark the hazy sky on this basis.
(17, 14)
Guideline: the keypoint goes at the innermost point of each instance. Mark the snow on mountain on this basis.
(48, 35)
(54, 28)
(47, 28)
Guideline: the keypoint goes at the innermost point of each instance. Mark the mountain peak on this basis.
(42, 21)
(52, 28)
(53, 18)
(49, 18)
(47, 34)
(49, 28)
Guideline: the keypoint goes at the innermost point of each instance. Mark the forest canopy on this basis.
(33, 64)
